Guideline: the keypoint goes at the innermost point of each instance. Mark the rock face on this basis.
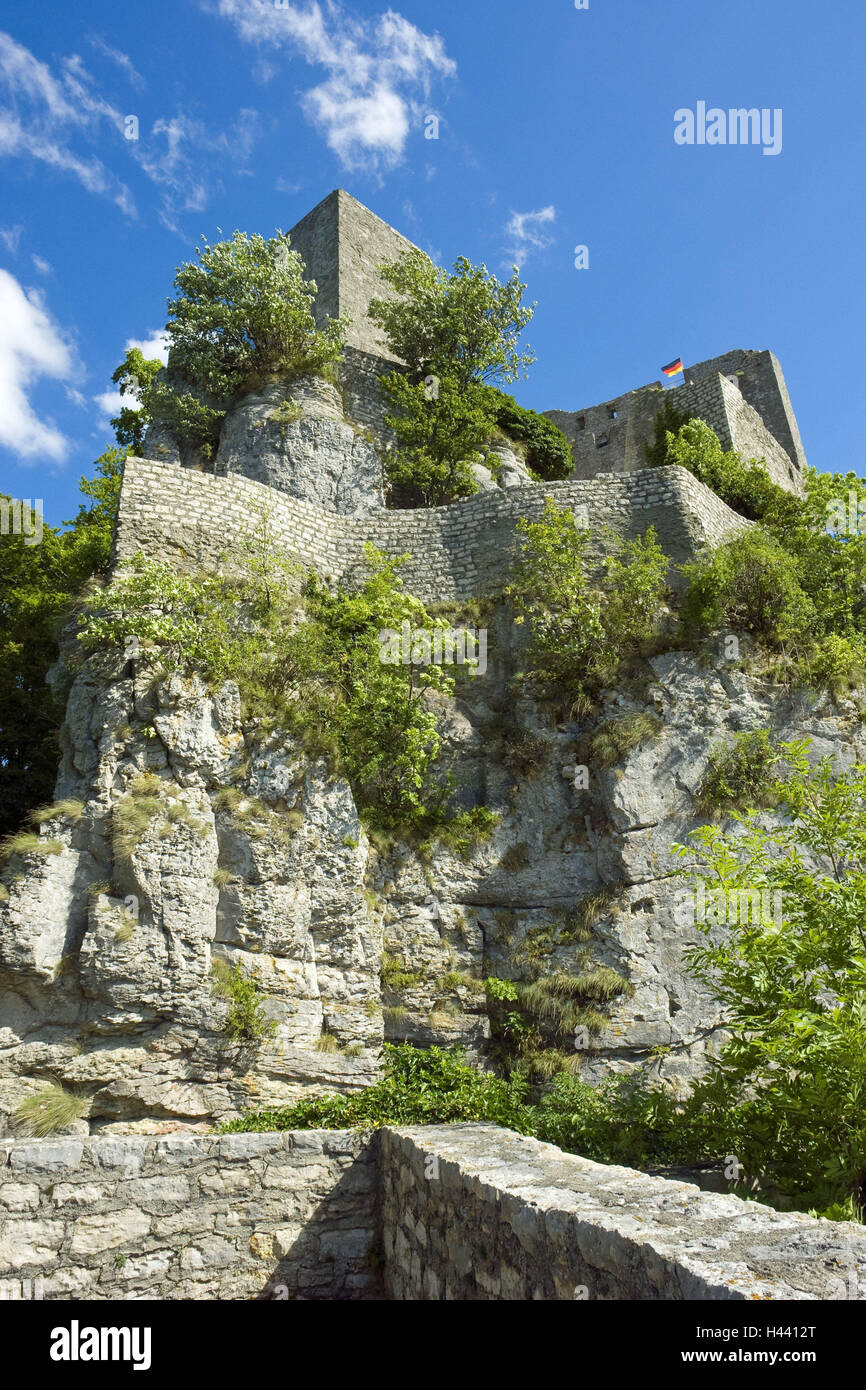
(200, 838)
(295, 438)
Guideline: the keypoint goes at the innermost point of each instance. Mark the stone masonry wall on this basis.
(343, 244)
(469, 1212)
(458, 552)
(610, 438)
(473, 1212)
(236, 1216)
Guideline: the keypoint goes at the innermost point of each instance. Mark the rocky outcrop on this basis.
(294, 437)
(201, 837)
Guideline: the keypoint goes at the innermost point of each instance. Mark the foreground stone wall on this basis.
(473, 1212)
(468, 1212)
(236, 1216)
(460, 551)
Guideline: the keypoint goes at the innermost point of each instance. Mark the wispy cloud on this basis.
(32, 346)
(56, 117)
(123, 60)
(377, 71)
(184, 158)
(524, 233)
(44, 113)
(10, 237)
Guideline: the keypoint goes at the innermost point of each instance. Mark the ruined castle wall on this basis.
(473, 1212)
(190, 1216)
(763, 388)
(602, 444)
(457, 552)
(343, 244)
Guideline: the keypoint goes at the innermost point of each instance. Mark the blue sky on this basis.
(556, 129)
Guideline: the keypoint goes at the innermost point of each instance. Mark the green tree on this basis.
(243, 314)
(455, 332)
(437, 440)
(464, 325)
(39, 585)
(582, 628)
(135, 376)
(787, 1094)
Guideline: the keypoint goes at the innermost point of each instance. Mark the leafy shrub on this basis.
(785, 1093)
(750, 584)
(547, 451)
(740, 774)
(580, 634)
(418, 1088)
(746, 487)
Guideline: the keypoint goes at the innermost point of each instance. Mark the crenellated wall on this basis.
(457, 552)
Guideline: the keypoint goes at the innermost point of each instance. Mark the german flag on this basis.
(673, 368)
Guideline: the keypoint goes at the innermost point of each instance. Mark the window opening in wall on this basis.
(612, 411)
(601, 440)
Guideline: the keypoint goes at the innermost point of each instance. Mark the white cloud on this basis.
(524, 233)
(378, 71)
(182, 154)
(43, 266)
(45, 112)
(32, 346)
(48, 115)
(10, 237)
(123, 60)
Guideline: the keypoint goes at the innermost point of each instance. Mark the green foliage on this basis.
(547, 451)
(135, 376)
(246, 1020)
(51, 1110)
(38, 588)
(243, 314)
(740, 773)
(454, 331)
(745, 487)
(582, 633)
(418, 1088)
(666, 425)
(310, 663)
(786, 1093)
(396, 979)
(438, 439)
(750, 584)
(463, 324)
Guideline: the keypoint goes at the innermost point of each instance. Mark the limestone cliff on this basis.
(189, 834)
